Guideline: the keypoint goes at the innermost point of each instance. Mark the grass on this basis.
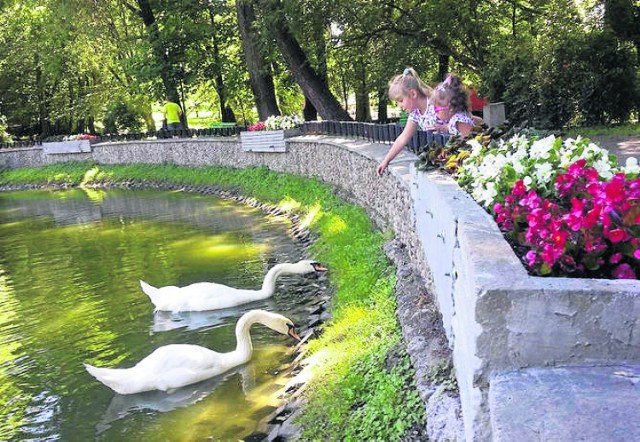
(363, 386)
(622, 130)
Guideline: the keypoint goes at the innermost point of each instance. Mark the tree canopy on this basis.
(72, 66)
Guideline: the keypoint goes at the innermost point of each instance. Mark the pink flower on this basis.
(623, 271)
(256, 127)
(615, 258)
(616, 235)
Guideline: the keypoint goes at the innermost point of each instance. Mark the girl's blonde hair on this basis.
(402, 84)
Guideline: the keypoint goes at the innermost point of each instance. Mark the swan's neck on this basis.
(244, 346)
(269, 283)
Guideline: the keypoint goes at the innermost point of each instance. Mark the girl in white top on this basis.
(412, 95)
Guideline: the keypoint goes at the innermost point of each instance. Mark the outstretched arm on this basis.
(402, 140)
(464, 128)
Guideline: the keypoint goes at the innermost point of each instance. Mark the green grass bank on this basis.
(363, 385)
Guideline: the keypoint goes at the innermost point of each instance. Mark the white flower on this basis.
(631, 166)
(527, 180)
(518, 167)
(476, 147)
(283, 122)
(541, 148)
(543, 172)
(485, 195)
(604, 168)
(566, 160)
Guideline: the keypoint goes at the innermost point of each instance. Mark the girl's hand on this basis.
(381, 168)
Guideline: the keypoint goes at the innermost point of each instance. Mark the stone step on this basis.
(566, 404)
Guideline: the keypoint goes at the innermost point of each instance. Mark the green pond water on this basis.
(70, 265)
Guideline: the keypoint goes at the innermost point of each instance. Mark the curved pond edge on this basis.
(499, 321)
(434, 372)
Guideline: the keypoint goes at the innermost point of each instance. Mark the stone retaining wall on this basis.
(496, 317)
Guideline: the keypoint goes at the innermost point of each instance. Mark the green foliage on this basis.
(630, 129)
(4, 136)
(121, 116)
(373, 401)
(583, 79)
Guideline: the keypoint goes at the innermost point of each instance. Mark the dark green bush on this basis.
(121, 116)
(585, 79)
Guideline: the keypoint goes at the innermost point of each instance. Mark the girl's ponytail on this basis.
(401, 85)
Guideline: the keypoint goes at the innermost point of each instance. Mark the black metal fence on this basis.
(372, 132)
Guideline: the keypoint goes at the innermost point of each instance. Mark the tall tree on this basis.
(260, 75)
(312, 84)
(166, 68)
(623, 17)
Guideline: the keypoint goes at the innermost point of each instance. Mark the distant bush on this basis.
(4, 136)
(586, 79)
(121, 116)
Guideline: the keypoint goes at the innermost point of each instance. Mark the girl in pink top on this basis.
(412, 95)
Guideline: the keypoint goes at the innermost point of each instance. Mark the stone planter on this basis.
(266, 140)
(61, 147)
(499, 319)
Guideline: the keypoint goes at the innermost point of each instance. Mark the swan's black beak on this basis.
(319, 267)
(292, 332)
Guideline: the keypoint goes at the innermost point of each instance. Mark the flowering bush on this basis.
(566, 202)
(277, 123)
(257, 127)
(283, 122)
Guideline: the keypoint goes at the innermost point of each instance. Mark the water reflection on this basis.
(70, 265)
(122, 406)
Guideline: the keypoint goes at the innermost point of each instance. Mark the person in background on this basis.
(172, 114)
(413, 96)
(404, 116)
(451, 106)
(477, 102)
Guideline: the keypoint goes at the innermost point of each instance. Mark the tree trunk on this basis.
(226, 112)
(363, 105)
(91, 125)
(166, 68)
(259, 71)
(443, 66)
(309, 113)
(312, 85)
(383, 100)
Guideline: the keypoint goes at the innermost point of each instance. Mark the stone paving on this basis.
(623, 146)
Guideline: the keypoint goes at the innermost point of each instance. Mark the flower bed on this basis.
(566, 207)
(269, 136)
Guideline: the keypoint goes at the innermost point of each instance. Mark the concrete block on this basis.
(494, 114)
(566, 404)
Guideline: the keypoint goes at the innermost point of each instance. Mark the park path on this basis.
(623, 146)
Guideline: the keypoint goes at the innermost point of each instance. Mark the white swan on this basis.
(212, 296)
(176, 365)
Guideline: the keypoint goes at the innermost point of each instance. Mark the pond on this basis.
(70, 265)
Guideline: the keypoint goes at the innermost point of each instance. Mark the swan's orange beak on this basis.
(293, 334)
(319, 267)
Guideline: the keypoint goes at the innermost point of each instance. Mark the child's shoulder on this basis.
(461, 117)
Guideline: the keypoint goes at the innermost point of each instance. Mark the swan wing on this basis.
(168, 367)
(208, 296)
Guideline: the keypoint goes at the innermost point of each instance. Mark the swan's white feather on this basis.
(202, 296)
(176, 365)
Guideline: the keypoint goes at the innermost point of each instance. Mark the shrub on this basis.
(121, 116)
(582, 79)
(4, 136)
